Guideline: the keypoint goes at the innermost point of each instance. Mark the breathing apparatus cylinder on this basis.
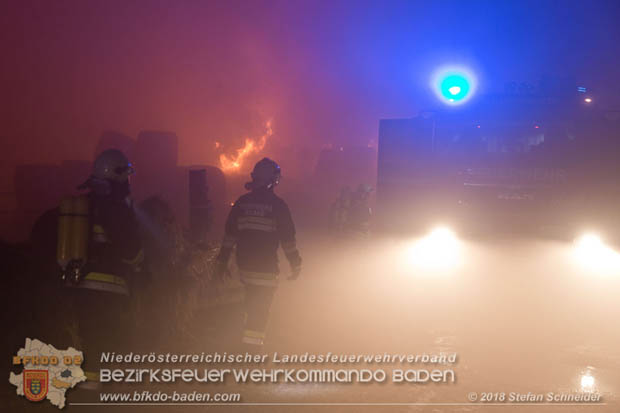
(73, 236)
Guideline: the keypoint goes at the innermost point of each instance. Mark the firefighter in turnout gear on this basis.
(100, 254)
(258, 223)
(359, 214)
(338, 212)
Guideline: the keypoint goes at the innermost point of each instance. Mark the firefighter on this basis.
(339, 211)
(101, 287)
(258, 223)
(360, 213)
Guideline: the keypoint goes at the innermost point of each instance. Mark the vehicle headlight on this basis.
(592, 253)
(587, 383)
(439, 250)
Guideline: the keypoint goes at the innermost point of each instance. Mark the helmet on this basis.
(266, 174)
(363, 192)
(364, 188)
(112, 165)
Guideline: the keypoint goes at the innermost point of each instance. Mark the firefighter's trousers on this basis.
(104, 325)
(258, 301)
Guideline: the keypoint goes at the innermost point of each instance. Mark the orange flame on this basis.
(234, 163)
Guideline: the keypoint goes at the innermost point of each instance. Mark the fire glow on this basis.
(251, 146)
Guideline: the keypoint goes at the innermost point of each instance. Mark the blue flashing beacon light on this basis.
(454, 86)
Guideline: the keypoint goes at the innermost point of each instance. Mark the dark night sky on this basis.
(216, 70)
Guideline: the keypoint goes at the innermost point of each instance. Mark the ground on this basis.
(520, 315)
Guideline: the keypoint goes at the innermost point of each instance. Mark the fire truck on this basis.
(507, 163)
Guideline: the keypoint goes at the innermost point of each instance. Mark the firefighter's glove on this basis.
(295, 271)
(221, 271)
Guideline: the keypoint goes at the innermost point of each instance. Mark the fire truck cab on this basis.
(502, 164)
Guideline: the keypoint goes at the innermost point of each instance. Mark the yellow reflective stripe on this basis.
(289, 247)
(104, 282)
(103, 286)
(257, 223)
(260, 282)
(99, 234)
(258, 220)
(92, 375)
(254, 333)
(252, 340)
(105, 278)
(138, 259)
(256, 227)
(261, 275)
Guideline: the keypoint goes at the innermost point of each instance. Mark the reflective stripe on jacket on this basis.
(104, 282)
(258, 223)
(264, 279)
(115, 255)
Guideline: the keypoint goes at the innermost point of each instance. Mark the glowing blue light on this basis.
(454, 85)
(454, 90)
